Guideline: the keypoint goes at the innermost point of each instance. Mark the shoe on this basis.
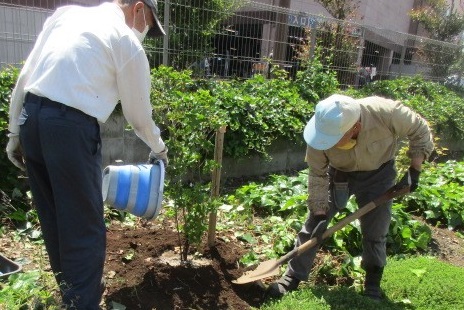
(372, 282)
(374, 293)
(285, 284)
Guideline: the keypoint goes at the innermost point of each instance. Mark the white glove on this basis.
(14, 152)
(163, 156)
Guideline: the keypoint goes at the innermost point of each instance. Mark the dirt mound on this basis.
(144, 271)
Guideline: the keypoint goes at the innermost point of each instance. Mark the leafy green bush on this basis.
(260, 111)
(439, 198)
(14, 203)
(442, 107)
(9, 178)
(317, 81)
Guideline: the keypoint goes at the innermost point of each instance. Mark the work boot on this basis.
(285, 284)
(372, 284)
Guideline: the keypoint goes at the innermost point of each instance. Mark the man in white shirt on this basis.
(83, 62)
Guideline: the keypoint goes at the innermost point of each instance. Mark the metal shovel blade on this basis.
(264, 270)
(270, 268)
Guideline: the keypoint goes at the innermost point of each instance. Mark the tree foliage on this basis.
(443, 22)
(340, 46)
(440, 19)
(341, 9)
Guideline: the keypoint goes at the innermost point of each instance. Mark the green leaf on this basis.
(419, 272)
(246, 238)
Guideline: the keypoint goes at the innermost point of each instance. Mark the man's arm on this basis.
(134, 88)
(318, 182)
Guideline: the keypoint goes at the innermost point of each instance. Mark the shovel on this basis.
(270, 268)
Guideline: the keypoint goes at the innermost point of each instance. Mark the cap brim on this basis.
(318, 140)
(157, 29)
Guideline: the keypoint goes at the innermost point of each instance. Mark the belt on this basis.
(32, 98)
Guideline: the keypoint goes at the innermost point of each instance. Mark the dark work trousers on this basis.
(366, 186)
(62, 149)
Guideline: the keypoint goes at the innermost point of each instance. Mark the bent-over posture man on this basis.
(351, 151)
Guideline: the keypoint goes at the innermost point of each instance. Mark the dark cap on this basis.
(157, 29)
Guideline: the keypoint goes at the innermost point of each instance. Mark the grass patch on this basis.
(425, 283)
(419, 283)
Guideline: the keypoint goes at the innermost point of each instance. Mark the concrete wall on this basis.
(119, 144)
(403, 70)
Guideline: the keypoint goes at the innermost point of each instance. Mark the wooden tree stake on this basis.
(215, 182)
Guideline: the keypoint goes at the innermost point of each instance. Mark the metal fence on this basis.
(238, 38)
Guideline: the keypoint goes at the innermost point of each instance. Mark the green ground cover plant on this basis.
(440, 199)
(28, 290)
(261, 218)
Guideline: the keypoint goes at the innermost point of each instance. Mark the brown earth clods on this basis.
(154, 277)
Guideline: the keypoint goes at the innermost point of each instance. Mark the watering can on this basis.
(137, 189)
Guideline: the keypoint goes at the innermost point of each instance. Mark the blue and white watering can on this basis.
(137, 189)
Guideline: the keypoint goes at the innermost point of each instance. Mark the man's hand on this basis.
(410, 178)
(14, 152)
(320, 227)
(163, 156)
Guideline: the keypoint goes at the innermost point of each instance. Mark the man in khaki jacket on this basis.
(351, 151)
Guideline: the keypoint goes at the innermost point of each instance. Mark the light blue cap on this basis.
(333, 117)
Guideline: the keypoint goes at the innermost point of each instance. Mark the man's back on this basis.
(82, 49)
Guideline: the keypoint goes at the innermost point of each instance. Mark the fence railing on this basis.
(238, 38)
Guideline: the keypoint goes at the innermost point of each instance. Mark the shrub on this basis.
(442, 107)
(14, 201)
(439, 198)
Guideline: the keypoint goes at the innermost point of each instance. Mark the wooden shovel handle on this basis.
(393, 192)
(270, 267)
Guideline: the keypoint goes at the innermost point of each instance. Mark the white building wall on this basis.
(310, 7)
(388, 14)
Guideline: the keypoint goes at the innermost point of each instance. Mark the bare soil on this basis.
(143, 268)
(155, 278)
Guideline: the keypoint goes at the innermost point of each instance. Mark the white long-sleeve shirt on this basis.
(88, 58)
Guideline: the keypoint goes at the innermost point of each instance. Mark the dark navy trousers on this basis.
(62, 149)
